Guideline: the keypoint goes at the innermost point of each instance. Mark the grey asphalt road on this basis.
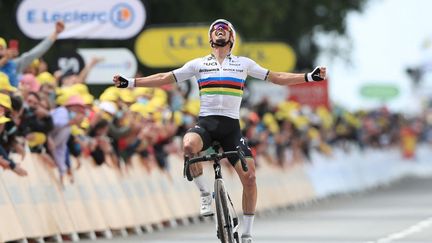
(401, 212)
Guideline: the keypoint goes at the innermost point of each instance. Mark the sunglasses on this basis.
(221, 26)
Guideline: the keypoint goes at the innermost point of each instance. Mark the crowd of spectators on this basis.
(54, 115)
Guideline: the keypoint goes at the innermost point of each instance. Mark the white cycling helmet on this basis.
(233, 33)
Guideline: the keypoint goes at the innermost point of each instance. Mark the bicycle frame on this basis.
(224, 206)
(227, 222)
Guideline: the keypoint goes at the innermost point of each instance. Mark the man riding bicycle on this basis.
(221, 77)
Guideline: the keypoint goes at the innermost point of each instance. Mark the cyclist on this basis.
(221, 77)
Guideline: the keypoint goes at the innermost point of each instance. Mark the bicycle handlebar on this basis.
(213, 157)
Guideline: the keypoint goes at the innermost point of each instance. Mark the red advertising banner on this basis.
(311, 94)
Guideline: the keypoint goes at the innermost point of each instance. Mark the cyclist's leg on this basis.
(196, 140)
(249, 195)
(247, 179)
(193, 142)
(192, 145)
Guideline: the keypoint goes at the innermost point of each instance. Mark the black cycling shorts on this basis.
(225, 131)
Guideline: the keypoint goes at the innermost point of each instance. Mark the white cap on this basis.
(108, 106)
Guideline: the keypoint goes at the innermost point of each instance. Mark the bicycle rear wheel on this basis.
(224, 219)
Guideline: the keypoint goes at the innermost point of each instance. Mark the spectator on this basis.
(72, 113)
(5, 86)
(6, 137)
(47, 87)
(5, 161)
(13, 65)
(101, 150)
(28, 83)
(5, 104)
(35, 123)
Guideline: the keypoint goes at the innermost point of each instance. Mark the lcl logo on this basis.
(188, 41)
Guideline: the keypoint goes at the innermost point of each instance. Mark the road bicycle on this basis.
(227, 219)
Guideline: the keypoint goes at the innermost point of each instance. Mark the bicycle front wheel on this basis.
(224, 220)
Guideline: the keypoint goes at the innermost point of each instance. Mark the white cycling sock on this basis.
(200, 182)
(248, 220)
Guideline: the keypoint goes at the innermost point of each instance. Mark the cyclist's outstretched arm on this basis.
(154, 80)
(282, 78)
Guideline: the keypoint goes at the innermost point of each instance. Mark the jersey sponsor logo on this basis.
(209, 63)
(208, 70)
(233, 70)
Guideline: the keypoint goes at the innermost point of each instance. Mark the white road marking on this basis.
(420, 226)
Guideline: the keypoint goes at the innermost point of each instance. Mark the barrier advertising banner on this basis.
(95, 19)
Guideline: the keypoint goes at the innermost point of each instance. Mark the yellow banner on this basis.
(276, 56)
(173, 46)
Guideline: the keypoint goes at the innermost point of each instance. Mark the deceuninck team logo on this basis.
(122, 15)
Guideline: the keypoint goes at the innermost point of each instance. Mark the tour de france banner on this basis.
(84, 19)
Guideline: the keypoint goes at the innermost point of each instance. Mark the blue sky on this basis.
(386, 38)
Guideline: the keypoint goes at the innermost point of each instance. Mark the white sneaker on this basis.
(246, 239)
(206, 201)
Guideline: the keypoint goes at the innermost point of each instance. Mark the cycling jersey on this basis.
(220, 85)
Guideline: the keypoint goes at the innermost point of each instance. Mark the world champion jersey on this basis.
(220, 85)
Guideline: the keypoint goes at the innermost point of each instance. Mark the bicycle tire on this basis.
(225, 231)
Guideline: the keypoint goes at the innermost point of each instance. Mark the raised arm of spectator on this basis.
(39, 50)
(86, 70)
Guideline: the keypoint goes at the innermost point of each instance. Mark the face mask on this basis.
(51, 96)
(119, 114)
(142, 100)
(188, 120)
(176, 103)
(72, 115)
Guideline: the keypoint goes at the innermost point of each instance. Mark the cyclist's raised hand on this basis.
(122, 82)
(318, 74)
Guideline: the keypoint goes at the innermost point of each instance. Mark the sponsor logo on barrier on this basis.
(96, 19)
